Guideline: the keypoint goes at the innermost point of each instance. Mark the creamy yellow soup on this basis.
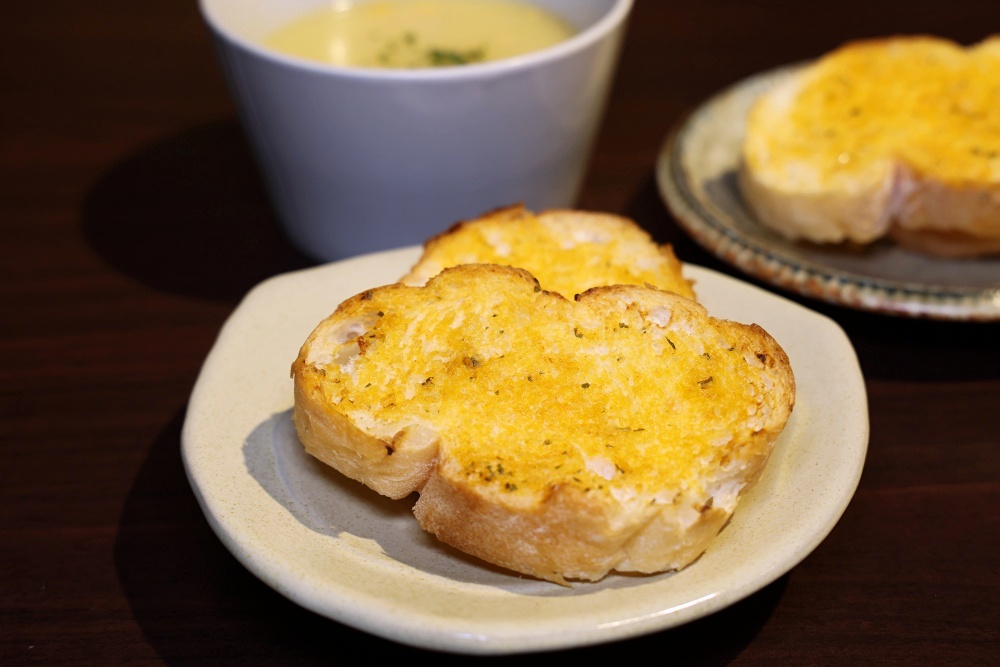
(419, 33)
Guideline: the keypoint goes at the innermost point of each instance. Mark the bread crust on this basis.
(394, 466)
(641, 497)
(872, 142)
(568, 535)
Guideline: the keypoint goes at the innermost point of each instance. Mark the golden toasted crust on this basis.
(558, 438)
(568, 251)
(894, 137)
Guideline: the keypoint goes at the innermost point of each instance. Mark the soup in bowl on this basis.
(413, 34)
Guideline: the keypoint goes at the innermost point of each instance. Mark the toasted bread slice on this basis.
(568, 251)
(896, 137)
(558, 438)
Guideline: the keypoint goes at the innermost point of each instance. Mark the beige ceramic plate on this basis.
(334, 547)
(696, 174)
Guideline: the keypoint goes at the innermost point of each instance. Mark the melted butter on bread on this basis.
(568, 251)
(881, 134)
(558, 438)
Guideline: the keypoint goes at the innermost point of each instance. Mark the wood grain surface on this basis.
(132, 221)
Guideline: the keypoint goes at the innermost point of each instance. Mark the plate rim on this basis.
(800, 275)
(408, 632)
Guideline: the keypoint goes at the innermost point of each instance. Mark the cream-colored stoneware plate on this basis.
(696, 174)
(339, 549)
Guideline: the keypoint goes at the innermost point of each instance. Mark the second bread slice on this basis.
(896, 137)
(568, 251)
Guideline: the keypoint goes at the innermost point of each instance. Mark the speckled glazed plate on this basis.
(339, 549)
(696, 174)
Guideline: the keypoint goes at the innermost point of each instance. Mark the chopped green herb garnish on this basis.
(448, 57)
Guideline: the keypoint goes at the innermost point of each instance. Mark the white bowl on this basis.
(358, 160)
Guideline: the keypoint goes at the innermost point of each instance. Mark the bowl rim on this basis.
(615, 16)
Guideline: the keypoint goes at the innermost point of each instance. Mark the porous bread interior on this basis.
(650, 415)
(901, 131)
(568, 251)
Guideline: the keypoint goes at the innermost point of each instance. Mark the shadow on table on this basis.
(196, 604)
(189, 215)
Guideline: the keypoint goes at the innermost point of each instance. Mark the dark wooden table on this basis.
(133, 220)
